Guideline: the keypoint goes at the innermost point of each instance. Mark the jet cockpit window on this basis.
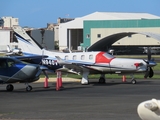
(108, 56)
(90, 57)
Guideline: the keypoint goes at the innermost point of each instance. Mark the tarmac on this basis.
(113, 100)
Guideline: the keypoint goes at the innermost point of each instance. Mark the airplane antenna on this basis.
(8, 49)
(70, 51)
(42, 56)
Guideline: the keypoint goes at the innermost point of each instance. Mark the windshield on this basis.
(108, 56)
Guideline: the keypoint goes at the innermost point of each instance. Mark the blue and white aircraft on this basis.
(13, 70)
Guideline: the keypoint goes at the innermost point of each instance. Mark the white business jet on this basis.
(85, 63)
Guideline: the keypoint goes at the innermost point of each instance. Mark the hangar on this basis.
(105, 43)
(84, 31)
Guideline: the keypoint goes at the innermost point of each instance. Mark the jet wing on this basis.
(33, 59)
(75, 67)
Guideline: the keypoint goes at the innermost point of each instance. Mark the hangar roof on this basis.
(78, 22)
(105, 43)
(118, 16)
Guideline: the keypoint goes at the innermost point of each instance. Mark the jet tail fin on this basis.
(25, 42)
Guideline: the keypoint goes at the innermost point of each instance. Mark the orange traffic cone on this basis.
(60, 79)
(58, 82)
(46, 82)
(57, 85)
(124, 78)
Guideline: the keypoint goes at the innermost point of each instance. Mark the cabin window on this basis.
(66, 57)
(90, 57)
(74, 57)
(129, 36)
(82, 57)
(98, 35)
(10, 63)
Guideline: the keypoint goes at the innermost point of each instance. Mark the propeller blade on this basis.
(149, 53)
(151, 73)
(147, 73)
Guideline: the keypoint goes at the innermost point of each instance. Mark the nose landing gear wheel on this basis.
(133, 81)
(101, 80)
(9, 87)
(28, 88)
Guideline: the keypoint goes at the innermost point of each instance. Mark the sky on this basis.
(37, 13)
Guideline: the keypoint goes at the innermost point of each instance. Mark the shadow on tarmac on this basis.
(75, 85)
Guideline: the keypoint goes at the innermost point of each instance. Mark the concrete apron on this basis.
(63, 80)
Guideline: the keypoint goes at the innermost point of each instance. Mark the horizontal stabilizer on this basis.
(30, 57)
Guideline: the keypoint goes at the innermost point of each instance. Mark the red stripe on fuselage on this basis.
(100, 58)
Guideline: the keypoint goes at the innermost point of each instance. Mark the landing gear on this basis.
(84, 80)
(102, 78)
(9, 87)
(133, 81)
(28, 88)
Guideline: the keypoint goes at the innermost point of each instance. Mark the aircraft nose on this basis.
(152, 63)
(38, 71)
(34, 70)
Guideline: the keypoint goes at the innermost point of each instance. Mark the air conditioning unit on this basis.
(79, 48)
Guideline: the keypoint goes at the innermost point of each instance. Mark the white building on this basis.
(74, 33)
(9, 22)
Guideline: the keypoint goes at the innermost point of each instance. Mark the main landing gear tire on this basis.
(28, 88)
(9, 87)
(102, 80)
(133, 81)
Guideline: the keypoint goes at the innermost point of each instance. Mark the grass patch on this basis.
(109, 76)
(157, 67)
(96, 76)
